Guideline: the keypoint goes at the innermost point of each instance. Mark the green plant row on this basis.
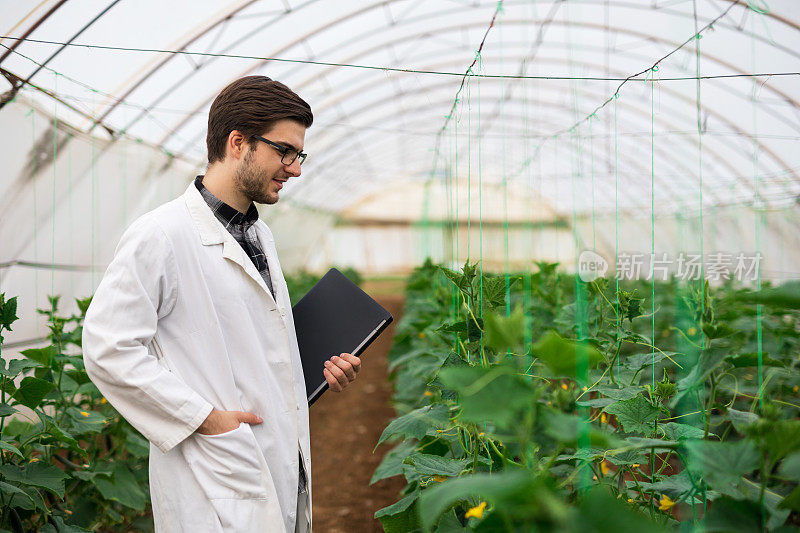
(539, 402)
(68, 461)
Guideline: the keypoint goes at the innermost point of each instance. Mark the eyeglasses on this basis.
(288, 155)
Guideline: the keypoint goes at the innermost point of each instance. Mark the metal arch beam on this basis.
(31, 29)
(277, 52)
(194, 36)
(75, 36)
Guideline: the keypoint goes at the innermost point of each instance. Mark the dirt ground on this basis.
(344, 429)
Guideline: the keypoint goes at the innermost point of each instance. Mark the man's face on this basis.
(261, 174)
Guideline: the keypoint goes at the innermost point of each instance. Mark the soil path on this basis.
(344, 429)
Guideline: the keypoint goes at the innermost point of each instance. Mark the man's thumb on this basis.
(249, 418)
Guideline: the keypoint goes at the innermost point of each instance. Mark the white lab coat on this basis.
(183, 321)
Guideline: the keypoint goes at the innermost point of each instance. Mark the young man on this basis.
(190, 333)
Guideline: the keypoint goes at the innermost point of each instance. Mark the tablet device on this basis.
(335, 316)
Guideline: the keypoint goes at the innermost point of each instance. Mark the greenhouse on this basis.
(582, 215)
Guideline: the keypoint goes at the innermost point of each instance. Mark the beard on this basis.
(251, 182)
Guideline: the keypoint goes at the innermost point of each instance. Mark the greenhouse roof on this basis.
(386, 82)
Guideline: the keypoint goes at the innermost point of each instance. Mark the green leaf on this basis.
(6, 410)
(122, 488)
(781, 438)
(513, 488)
(791, 501)
(37, 474)
(603, 513)
(61, 526)
(723, 464)
(728, 514)
(85, 421)
(32, 391)
(640, 360)
(392, 464)
(417, 423)
(8, 311)
(673, 486)
(505, 332)
(400, 517)
(676, 431)
(571, 429)
(436, 465)
(496, 394)
(11, 448)
(16, 366)
(790, 467)
(19, 497)
(611, 394)
(785, 296)
(636, 415)
(740, 419)
(458, 279)
(43, 356)
(751, 359)
(708, 361)
(564, 356)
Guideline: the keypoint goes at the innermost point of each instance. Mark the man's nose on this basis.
(294, 168)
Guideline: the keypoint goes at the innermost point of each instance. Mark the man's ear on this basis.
(236, 145)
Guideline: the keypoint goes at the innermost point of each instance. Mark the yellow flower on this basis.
(691, 331)
(635, 465)
(439, 479)
(84, 413)
(103, 400)
(603, 418)
(630, 500)
(564, 386)
(665, 503)
(428, 393)
(477, 512)
(795, 388)
(481, 434)
(604, 468)
(34, 459)
(585, 387)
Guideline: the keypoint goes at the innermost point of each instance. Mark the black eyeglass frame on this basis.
(283, 150)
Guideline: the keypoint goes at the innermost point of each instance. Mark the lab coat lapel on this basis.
(211, 231)
(281, 296)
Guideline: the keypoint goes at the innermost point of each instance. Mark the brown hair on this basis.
(251, 105)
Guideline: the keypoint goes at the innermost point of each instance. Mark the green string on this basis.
(55, 158)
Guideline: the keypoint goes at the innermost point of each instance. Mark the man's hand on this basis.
(221, 421)
(341, 370)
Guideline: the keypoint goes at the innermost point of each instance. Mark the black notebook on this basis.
(335, 316)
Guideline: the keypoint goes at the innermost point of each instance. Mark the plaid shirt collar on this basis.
(226, 214)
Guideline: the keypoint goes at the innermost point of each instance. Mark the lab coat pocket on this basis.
(227, 465)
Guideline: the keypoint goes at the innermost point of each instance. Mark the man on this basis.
(190, 333)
